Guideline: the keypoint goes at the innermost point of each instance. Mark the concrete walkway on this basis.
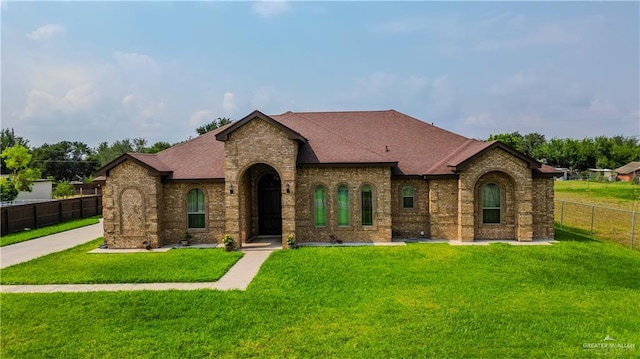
(237, 278)
(26, 251)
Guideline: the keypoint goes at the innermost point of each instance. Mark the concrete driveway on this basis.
(26, 251)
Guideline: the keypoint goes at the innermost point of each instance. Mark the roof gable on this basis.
(459, 162)
(224, 135)
(149, 161)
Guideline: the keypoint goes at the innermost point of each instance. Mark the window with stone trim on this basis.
(320, 206)
(343, 206)
(491, 204)
(195, 209)
(366, 194)
(408, 194)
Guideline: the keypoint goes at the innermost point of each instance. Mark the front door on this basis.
(269, 205)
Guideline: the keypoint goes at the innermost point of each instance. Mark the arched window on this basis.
(320, 207)
(343, 206)
(195, 209)
(407, 197)
(367, 205)
(491, 203)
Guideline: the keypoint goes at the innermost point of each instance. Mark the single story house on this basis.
(629, 172)
(602, 174)
(361, 176)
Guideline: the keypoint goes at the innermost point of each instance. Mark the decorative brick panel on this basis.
(130, 207)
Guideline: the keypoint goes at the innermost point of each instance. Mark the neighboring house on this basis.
(602, 174)
(629, 172)
(41, 190)
(366, 176)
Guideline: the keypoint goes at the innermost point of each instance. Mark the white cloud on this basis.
(197, 118)
(127, 100)
(229, 102)
(514, 33)
(46, 31)
(601, 107)
(134, 60)
(82, 97)
(39, 103)
(481, 119)
(269, 9)
(435, 99)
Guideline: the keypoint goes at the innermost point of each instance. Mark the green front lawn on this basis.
(422, 300)
(76, 266)
(45, 231)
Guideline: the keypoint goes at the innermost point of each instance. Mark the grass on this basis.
(422, 300)
(45, 231)
(613, 222)
(76, 266)
(620, 195)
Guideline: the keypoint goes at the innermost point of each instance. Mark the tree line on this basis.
(597, 152)
(66, 161)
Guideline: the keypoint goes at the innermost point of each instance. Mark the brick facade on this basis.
(253, 145)
(131, 206)
(140, 208)
(379, 178)
(410, 222)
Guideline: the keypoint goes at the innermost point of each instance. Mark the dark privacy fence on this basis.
(36, 215)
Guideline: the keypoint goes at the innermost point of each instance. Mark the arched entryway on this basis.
(269, 205)
(261, 194)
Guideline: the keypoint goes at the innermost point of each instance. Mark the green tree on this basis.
(17, 160)
(65, 160)
(8, 139)
(106, 153)
(64, 189)
(513, 140)
(218, 122)
(157, 147)
(532, 143)
(8, 191)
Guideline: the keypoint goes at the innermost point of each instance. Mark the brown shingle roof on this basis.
(371, 136)
(629, 168)
(386, 138)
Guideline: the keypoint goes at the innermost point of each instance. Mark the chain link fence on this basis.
(607, 224)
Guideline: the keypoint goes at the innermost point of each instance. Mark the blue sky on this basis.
(104, 71)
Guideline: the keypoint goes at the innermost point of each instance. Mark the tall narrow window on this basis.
(490, 203)
(367, 205)
(195, 209)
(407, 197)
(343, 206)
(320, 207)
